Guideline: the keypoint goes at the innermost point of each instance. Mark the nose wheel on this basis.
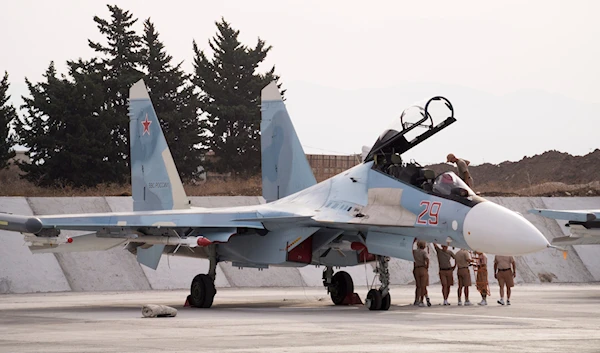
(380, 299)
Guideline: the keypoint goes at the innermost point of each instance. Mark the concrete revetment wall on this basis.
(117, 269)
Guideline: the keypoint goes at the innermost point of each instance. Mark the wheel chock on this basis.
(187, 302)
(352, 299)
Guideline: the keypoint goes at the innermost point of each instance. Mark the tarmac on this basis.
(542, 318)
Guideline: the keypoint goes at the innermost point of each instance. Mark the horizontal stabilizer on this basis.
(574, 215)
(565, 241)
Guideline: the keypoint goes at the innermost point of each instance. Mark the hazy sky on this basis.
(500, 52)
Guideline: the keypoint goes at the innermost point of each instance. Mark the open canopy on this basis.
(420, 114)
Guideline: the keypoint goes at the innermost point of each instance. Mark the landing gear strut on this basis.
(202, 291)
(379, 299)
(340, 286)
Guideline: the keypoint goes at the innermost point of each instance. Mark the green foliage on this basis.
(230, 98)
(76, 125)
(8, 114)
(175, 103)
(119, 67)
(65, 129)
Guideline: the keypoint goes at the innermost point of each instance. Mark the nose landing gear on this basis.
(380, 299)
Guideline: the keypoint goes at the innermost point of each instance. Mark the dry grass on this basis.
(11, 184)
(251, 186)
(543, 189)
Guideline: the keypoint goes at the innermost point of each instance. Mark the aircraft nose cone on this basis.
(494, 229)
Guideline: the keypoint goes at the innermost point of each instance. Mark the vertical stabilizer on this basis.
(155, 183)
(285, 169)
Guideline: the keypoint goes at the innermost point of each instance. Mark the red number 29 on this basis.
(430, 213)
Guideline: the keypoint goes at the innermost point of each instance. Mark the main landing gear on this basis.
(340, 287)
(203, 291)
(380, 299)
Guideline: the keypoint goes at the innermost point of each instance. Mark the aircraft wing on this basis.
(583, 224)
(150, 231)
(151, 222)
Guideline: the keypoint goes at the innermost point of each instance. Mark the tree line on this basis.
(76, 128)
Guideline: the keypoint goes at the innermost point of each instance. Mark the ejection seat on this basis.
(396, 167)
(424, 179)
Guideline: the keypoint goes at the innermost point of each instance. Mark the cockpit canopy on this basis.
(394, 140)
(387, 150)
(450, 184)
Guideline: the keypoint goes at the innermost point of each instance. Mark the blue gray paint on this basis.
(151, 187)
(285, 169)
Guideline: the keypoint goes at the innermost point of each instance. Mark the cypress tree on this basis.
(175, 103)
(230, 98)
(119, 66)
(8, 114)
(64, 129)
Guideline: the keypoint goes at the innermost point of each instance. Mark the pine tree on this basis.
(64, 128)
(230, 98)
(8, 114)
(175, 103)
(122, 57)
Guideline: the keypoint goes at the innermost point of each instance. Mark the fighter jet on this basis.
(583, 224)
(369, 213)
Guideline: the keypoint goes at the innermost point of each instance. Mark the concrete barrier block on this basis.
(173, 272)
(253, 277)
(115, 269)
(589, 254)
(177, 272)
(20, 270)
(547, 265)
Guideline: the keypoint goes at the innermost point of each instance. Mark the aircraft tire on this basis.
(202, 292)
(373, 301)
(210, 291)
(385, 302)
(197, 291)
(343, 286)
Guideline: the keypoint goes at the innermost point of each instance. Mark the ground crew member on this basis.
(505, 270)
(421, 272)
(446, 270)
(482, 277)
(463, 168)
(463, 260)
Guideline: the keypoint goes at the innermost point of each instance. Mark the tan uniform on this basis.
(462, 166)
(446, 270)
(505, 272)
(420, 271)
(482, 275)
(463, 259)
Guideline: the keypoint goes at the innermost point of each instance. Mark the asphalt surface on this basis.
(542, 318)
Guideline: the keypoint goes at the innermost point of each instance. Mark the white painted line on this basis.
(493, 317)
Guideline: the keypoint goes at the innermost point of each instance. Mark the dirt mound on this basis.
(551, 173)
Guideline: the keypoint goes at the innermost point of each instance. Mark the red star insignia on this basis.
(146, 124)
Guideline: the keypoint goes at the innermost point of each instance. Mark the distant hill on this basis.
(551, 173)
